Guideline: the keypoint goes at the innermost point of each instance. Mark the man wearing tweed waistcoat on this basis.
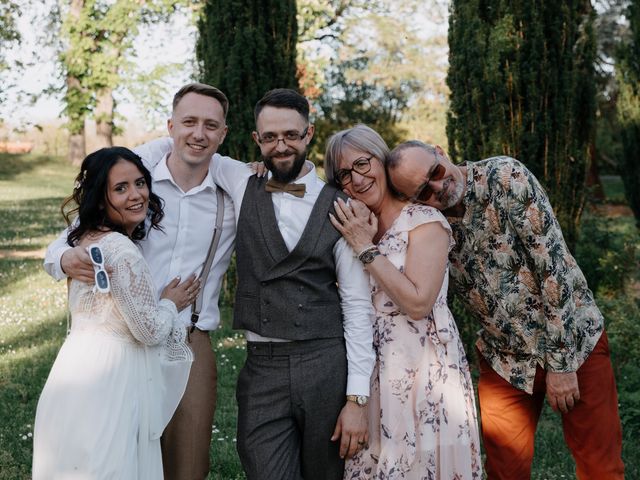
(304, 301)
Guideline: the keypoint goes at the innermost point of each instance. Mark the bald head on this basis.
(423, 173)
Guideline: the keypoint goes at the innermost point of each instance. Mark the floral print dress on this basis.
(422, 415)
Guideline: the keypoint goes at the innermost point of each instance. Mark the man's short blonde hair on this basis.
(202, 89)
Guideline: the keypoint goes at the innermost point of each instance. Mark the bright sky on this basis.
(173, 42)
(159, 43)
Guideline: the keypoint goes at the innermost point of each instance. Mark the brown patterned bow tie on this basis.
(297, 189)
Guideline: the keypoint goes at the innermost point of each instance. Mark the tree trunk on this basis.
(77, 149)
(104, 118)
(77, 146)
(596, 191)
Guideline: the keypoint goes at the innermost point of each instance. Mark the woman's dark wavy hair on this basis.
(90, 196)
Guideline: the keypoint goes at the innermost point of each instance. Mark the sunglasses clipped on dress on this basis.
(101, 277)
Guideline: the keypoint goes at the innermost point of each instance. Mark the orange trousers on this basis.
(591, 429)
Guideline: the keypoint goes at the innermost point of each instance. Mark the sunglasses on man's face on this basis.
(101, 277)
(426, 191)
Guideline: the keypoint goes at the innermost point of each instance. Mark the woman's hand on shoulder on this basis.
(184, 293)
(357, 224)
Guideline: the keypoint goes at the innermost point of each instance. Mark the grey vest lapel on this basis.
(315, 228)
(267, 219)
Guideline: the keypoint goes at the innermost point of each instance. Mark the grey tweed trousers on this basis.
(289, 398)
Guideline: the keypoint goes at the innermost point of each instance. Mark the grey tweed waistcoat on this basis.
(281, 294)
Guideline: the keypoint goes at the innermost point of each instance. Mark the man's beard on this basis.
(281, 175)
(449, 200)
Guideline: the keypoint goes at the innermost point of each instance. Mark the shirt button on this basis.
(300, 306)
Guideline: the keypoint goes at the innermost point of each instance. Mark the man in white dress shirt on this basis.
(182, 178)
(301, 386)
(303, 300)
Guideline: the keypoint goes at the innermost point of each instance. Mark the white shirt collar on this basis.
(162, 173)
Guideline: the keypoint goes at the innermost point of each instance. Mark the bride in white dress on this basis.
(123, 368)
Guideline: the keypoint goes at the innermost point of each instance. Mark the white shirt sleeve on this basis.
(154, 151)
(231, 175)
(357, 312)
(52, 258)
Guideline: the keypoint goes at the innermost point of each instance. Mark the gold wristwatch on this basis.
(360, 400)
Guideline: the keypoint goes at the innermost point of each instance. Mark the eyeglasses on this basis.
(101, 277)
(360, 165)
(287, 137)
(426, 191)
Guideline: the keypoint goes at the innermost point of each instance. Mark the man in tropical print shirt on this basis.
(542, 332)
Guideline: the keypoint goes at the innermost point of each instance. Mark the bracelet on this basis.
(367, 256)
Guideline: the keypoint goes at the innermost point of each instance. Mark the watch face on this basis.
(367, 257)
(360, 400)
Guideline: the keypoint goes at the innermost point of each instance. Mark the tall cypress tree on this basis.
(628, 76)
(522, 84)
(245, 49)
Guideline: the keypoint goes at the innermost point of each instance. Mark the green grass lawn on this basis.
(33, 325)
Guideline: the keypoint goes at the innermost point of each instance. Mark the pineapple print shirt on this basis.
(514, 271)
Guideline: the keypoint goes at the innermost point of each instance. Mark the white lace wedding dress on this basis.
(117, 379)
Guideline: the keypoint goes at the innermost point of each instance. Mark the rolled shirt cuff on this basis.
(53, 267)
(562, 361)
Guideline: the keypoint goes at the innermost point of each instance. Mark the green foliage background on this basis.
(8, 30)
(628, 75)
(522, 84)
(95, 52)
(246, 49)
(9, 34)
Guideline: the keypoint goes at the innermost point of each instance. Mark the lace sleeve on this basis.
(133, 290)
